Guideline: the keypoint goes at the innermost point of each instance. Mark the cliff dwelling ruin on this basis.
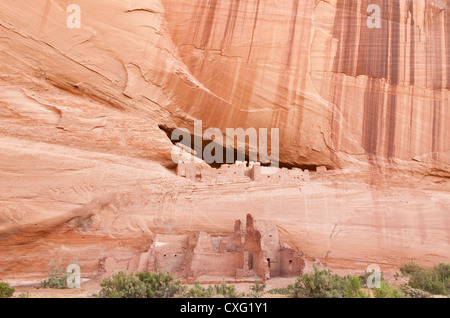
(241, 171)
(253, 250)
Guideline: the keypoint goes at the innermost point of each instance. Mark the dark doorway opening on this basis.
(250, 261)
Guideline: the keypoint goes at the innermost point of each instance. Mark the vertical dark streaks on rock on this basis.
(436, 52)
(281, 98)
(388, 57)
(383, 60)
(372, 101)
(395, 43)
(351, 38)
(391, 115)
(373, 50)
(337, 32)
(346, 32)
(253, 31)
(231, 21)
(197, 16)
(411, 121)
(382, 90)
(393, 77)
(293, 24)
(447, 42)
(412, 67)
(436, 129)
(412, 44)
(374, 57)
(212, 6)
(335, 119)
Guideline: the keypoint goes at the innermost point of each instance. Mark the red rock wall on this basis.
(82, 157)
(381, 92)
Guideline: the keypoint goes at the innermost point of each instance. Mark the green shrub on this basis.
(443, 272)
(5, 290)
(281, 291)
(121, 285)
(411, 268)
(142, 285)
(324, 284)
(258, 287)
(225, 290)
(161, 285)
(57, 277)
(199, 291)
(353, 287)
(319, 284)
(257, 290)
(428, 280)
(218, 290)
(387, 291)
(434, 280)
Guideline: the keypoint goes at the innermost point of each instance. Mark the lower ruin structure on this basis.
(252, 250)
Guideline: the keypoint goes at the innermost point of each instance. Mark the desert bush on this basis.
(324, 284)
(199, 291)
(427, 280)
(121, 285)
(141, 285)
(218, 290)
(57, 277)
(411, 268)
(225, 290)
(281, 291)
(442, 271)
(5, 290)
(258, 287)
(387, 291)
(353, 287)
(430, 281)
(319, 284)
(434, 280)
(161, 285)
(257, 290)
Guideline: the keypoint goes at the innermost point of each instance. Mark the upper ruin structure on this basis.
(240, 171)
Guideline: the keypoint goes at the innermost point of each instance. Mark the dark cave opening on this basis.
(198, 145)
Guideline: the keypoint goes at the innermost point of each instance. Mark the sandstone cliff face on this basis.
(83, 161)
(319, 73)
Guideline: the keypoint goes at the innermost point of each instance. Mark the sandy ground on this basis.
(88, 289)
